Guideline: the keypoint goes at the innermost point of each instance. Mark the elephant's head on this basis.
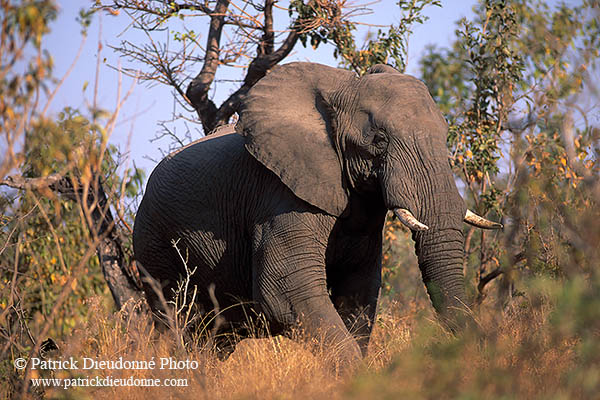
(328, 133)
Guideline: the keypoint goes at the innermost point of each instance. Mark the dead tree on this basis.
(253, 44)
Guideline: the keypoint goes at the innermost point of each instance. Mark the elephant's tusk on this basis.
(480, 222)
(409, 220)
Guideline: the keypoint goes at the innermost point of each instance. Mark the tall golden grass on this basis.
(532, 350)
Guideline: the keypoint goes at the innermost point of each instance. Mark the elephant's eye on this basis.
(379, 136)
(380, 140)
(378, 143)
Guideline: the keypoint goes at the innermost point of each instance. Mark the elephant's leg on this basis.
(355, 297)
(290, 282)
(225, 344)
(156, 292)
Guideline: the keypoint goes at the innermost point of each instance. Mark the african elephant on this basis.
(286, 211)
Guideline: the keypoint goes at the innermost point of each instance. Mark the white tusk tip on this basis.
(473, 219)
(408, 219)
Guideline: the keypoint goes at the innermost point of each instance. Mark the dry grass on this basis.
(270, 368)
(514, 358)
(514, 355)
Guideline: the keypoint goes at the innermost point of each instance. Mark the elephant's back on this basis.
(205, 162)
(188, 177)
(195, 197)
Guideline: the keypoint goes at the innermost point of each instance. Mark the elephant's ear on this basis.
(286, 119)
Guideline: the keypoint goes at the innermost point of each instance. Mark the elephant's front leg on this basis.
(289, 280)
(355, 297)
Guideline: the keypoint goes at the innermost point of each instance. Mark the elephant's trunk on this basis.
(426, 188)
(440, 255)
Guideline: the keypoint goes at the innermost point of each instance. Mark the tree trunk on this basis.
(122, 278)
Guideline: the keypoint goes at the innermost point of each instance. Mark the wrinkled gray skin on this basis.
(288, 212)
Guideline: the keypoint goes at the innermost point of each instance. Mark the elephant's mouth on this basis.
(408, 219)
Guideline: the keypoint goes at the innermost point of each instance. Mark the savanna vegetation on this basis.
(519, 89)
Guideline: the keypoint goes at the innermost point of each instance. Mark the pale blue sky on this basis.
(149, 105)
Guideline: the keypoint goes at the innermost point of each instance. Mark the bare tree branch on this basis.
(261, 65)
(257, 70)
(19, 182)
(197, 91)
(221, 47)
(266, 58)
(488, 278)
(267, 44)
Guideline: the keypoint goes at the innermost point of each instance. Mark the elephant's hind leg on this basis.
(159, 305)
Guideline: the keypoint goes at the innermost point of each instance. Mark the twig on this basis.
(19, 182)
